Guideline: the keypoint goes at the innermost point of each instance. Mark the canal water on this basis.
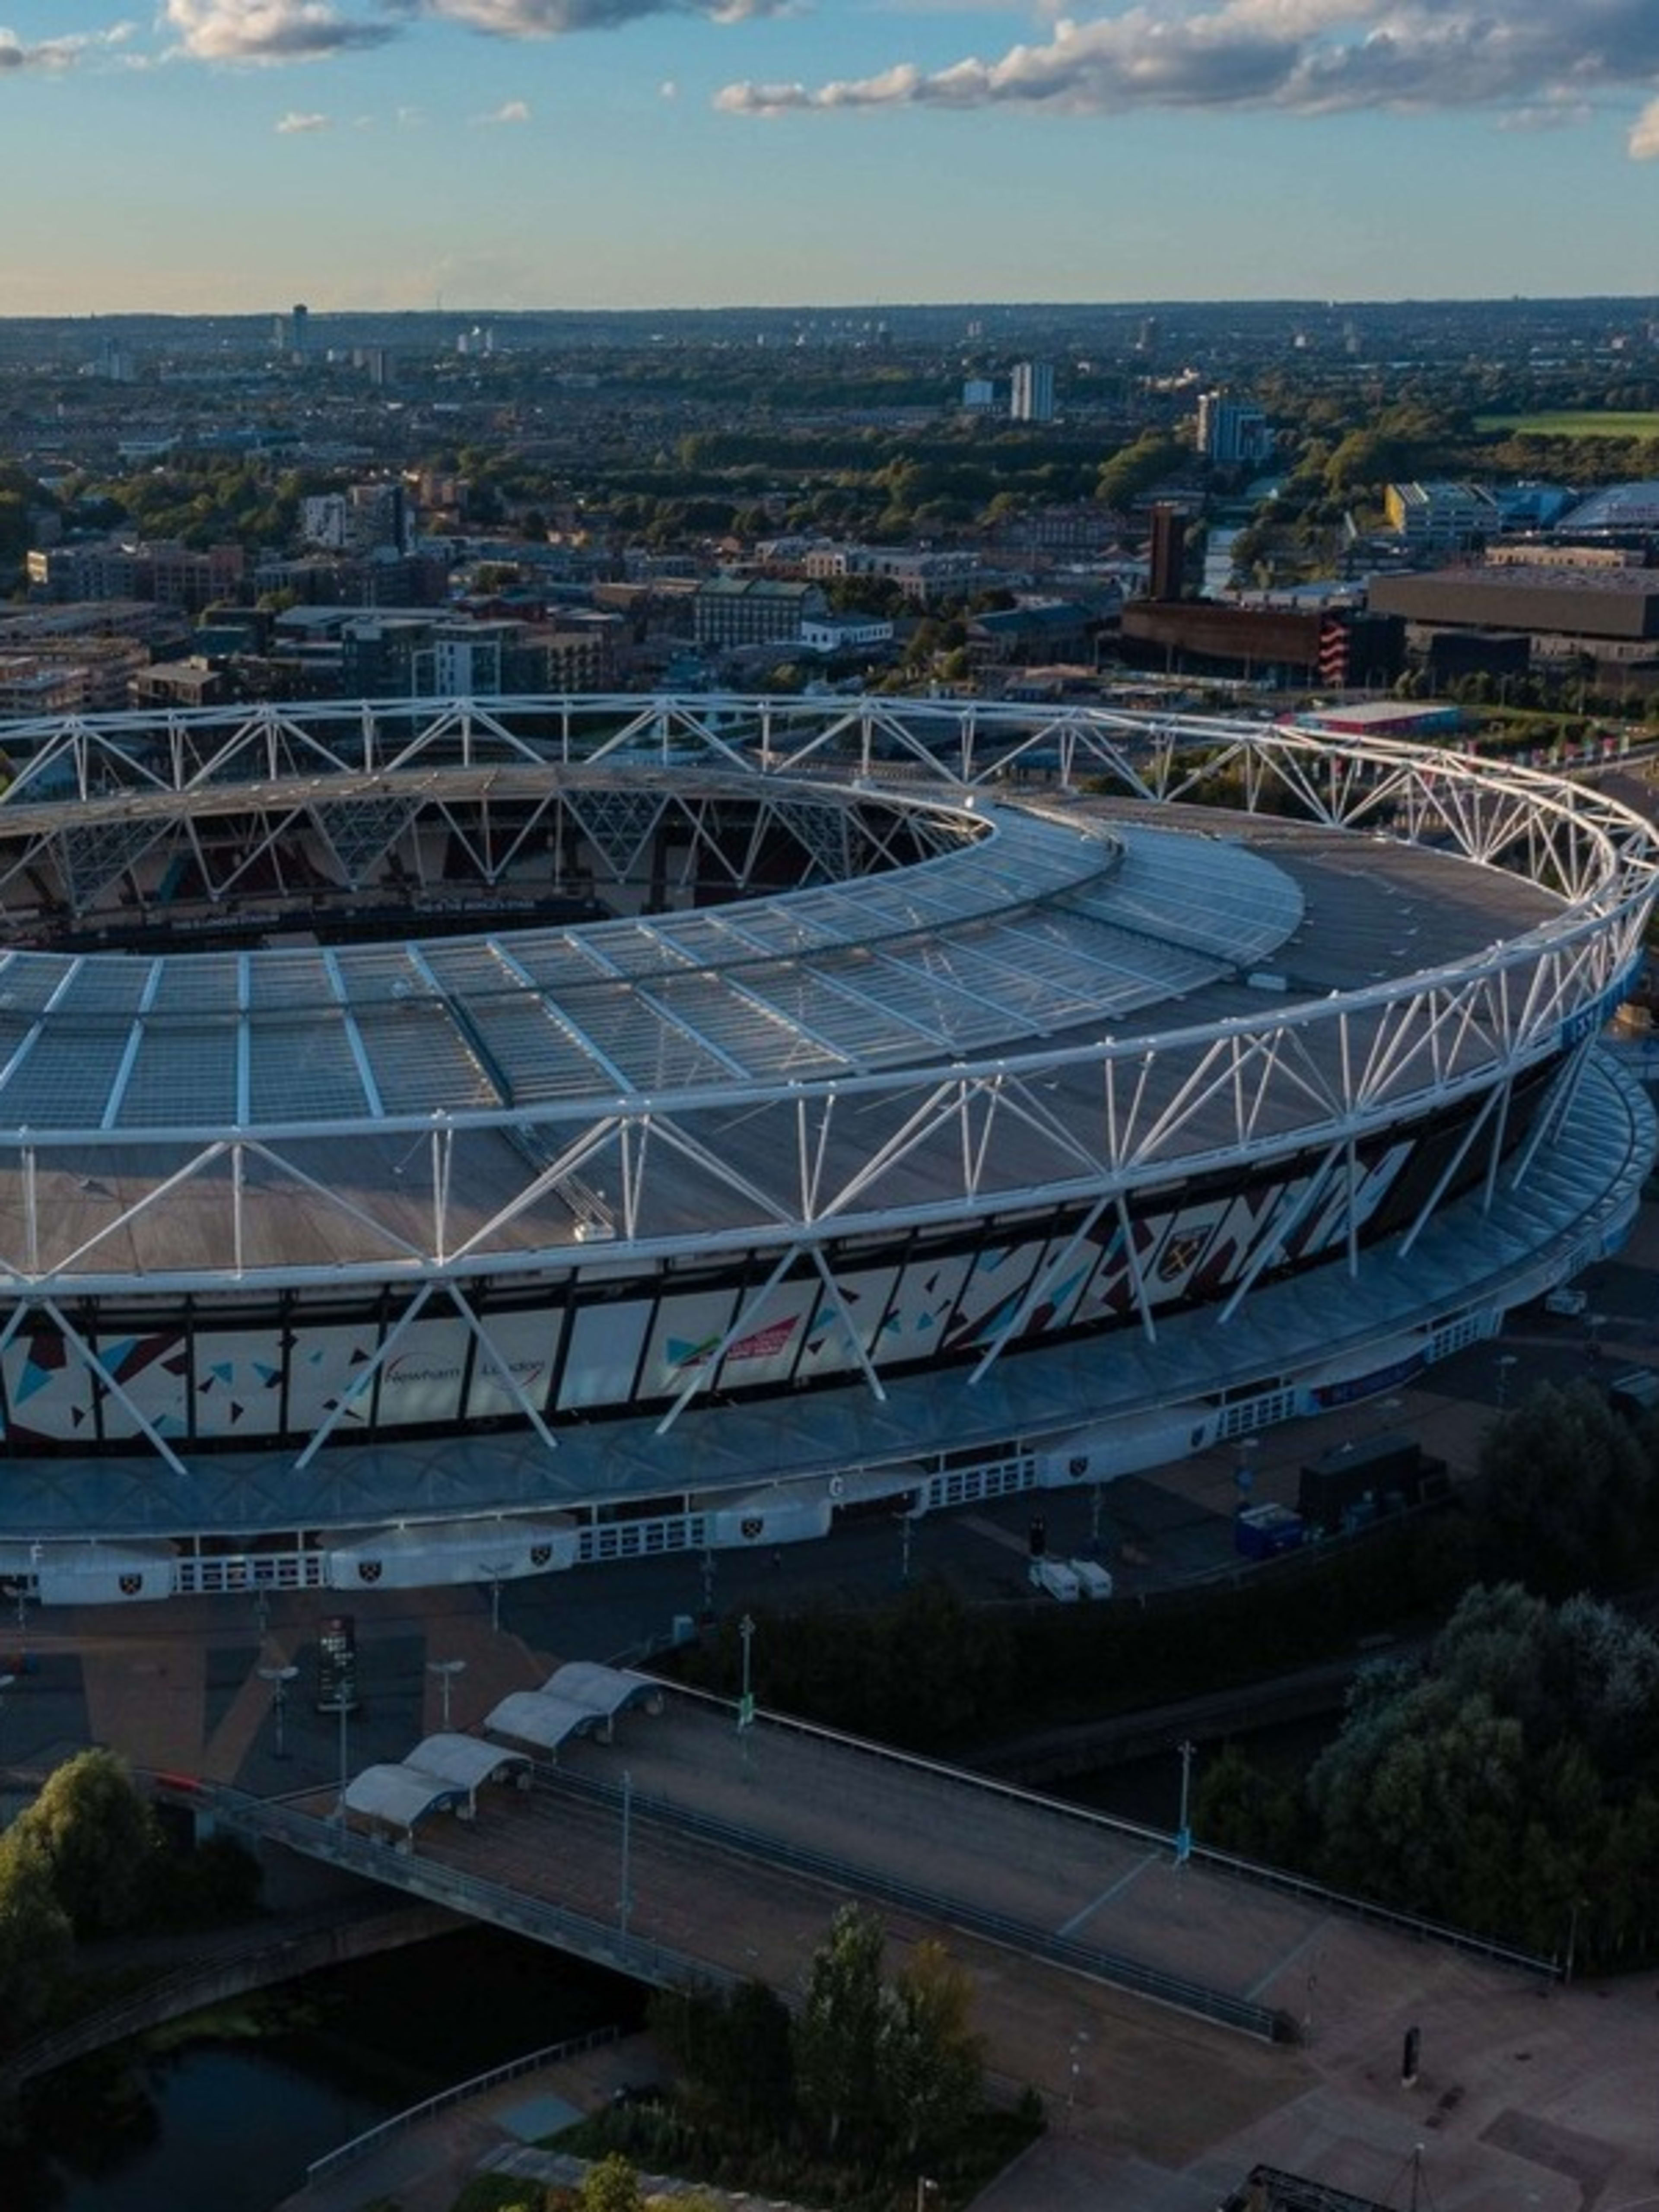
(229, 2123)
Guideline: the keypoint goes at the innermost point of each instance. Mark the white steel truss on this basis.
(802, 1067)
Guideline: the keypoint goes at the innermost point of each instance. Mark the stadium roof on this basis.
(1616, 506)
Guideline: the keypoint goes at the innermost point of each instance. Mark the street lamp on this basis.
(625, 1901)
(446, 1670)
(1074, 2062)
(279, 1677)
(1505, 1361)
(1183, 1833)
(746, 1704)
(495, 1569)
(343, 1709)
(904, 1551)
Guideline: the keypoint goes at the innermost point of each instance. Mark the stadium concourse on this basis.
(448, 1142)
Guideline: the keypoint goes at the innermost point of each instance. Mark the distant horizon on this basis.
(1642, 299)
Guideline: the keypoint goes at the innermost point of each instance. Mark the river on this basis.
(229, 2123)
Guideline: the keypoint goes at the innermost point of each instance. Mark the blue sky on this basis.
(236, 154)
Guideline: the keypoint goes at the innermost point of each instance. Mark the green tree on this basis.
(1567, 1490)
(97, 1837)
(1240, 1808)
(932, 2070)
(839, 2030)
(36, 1941)
(612, 2186)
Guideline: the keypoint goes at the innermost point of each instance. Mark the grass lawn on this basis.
(1577, 423)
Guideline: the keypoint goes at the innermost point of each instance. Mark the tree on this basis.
(839, 2031)
(1240, 1808)
(97, 1837)
(36, 1941)
(732, 2047)
(1567, 1489)
(612, 2186)
(932, 2063)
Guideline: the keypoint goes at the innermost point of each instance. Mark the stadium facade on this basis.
(448, 1142)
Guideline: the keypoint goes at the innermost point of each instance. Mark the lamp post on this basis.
(625, 1901)
(1505, 1361)
(1183, 1833)
(279, 1677)
(746, 1704)
(493, 1569)
(446, 1670)
(344, 1710)
(1074, 2070)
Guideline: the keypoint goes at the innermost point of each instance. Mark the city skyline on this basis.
(231, 156)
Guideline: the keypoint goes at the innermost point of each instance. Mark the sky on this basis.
(235, 156)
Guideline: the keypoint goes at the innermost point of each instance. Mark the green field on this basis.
(1577, 423)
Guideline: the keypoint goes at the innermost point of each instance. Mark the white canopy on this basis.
(464, 1761)
(399, 1796)
(597, 1689)
(536, 1717)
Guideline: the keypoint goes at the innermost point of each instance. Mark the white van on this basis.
(1093, 1579)
(1058, 1579)
(1564, 1299)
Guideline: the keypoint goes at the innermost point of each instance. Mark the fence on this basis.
(361, 2146)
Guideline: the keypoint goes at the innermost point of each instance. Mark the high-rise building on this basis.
(1169, 551)
(1231, 430)
(1032, 397)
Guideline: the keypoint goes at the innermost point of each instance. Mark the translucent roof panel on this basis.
(420, 1061)
(181, 1074)
(304, 1071)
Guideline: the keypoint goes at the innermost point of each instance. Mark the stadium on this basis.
(450, 1141)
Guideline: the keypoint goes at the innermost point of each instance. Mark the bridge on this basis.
(686, 1847)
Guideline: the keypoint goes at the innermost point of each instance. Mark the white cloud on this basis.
(1644, 134)
(53, 56)
(293, 125)
(1305, 56)
(269, 30)
(554, 19)
(668, 89)
(510, 110)
(307, 30)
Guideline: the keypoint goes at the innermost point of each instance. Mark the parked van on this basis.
(1564, 1299)
(1093, 1579)
(1058, 1579)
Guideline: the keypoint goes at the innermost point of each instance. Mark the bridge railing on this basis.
(494, 1902)
(950, 1908)
(812, 1734)
(476, 2085)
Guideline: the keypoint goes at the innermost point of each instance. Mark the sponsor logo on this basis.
(407, 1370)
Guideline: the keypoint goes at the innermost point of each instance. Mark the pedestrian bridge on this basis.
(680, 1846)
